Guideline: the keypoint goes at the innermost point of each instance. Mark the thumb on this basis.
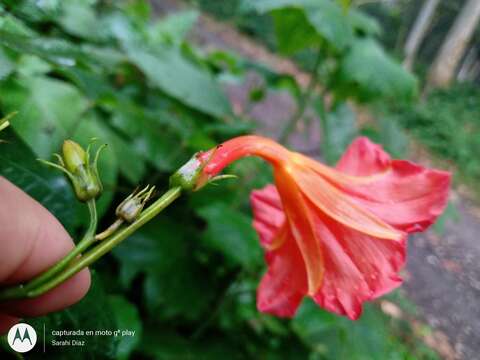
(32, 240)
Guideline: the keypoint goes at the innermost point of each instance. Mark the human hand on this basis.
(32, 240)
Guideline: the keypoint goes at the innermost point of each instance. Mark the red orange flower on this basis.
(337, 234)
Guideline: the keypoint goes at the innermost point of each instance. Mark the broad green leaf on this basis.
(19, 165)
(334, 337)
(167, 345)
(78, 18)
(12, 25)
(340, 129)
(231, 232)
(7, 66)
(37, 11)
(175, 284)
(173, 28)
(57, 51)
(364, 23)
(139, 10)
(368, 73)
(331, 22)
(31, 65)
(145, 131)
(128, 318)
(48, 111)
(293, 30)
(264, 6)
(168, 70)
(326, 16)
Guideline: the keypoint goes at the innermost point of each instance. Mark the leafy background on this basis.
(186, 282)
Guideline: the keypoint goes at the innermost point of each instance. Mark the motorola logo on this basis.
(22, 338)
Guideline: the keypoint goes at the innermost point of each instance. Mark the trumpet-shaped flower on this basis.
(337, 234)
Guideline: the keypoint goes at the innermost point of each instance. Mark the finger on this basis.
(59, 298)
(6, 322)
(32, 240)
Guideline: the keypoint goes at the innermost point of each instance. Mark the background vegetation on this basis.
(186, 282)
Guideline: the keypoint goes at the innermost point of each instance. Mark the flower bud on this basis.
(83, 174)
(73, 156)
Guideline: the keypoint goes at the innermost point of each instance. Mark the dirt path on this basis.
(444, 279)
(443, 272)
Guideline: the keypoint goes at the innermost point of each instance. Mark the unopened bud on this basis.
(73, 156)
(82, 172)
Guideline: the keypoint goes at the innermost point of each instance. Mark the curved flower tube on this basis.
(337, 234)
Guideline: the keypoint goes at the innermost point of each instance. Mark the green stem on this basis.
(108, 244)
(22, 290)
(84, 244)
(303, 100)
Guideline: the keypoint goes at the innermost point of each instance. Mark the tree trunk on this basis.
(418, 32)
(466, 70)
(443, 68)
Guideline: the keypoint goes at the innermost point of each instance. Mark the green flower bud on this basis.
(83, 173)
(73, 156)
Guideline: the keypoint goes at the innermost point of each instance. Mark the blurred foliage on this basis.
(185, 283)
(448, 124)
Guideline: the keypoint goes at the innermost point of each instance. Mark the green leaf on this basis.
(37, 11)
(19, 165)
(166, 345)
(57, 51)
(326, 16)
(364, 23)
(144, 130)
(333, 337)
(293, 31)
(78, 18)
(31, 65)
(368, 73)
(174, 27)
(7, 66)
(167, 69)
(331, 22)
(230, 232)
(48, 111)
(128, 318)
(175, 285)
(339, 130)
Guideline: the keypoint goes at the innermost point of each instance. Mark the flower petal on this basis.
(405, 195)
(340, 206)
(285, 284)
(301, 225)
(363, 158)
(268, 215)
(358, 267)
